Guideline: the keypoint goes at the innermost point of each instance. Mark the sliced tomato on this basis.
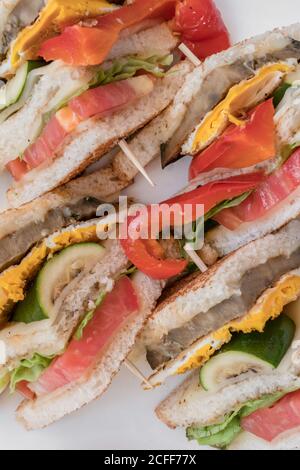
(17, 168)
(23, 389)
(276, 187)
(269, 423)
(145, 254)
(201, 27)
(44, 147)
(141, 254)
(241, 146)
(80, 45)
(213, 193)
(207, 47)
(80, 356)
(104, 99)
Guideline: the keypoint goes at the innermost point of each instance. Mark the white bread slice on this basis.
(190, 404)
(201, 292)
(94, 138)
(50, 408)
(226, 241)
(102, 184)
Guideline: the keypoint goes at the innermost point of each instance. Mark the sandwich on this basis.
(241, 327)
(71, 302)
(237, 116)
(61, 276)
(120, 75)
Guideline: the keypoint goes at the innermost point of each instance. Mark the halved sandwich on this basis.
(198, 316)
(116, 73)
(71, 302)
(237, 115)
(247, 396)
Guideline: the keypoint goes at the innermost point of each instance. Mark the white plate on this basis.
(124, 418)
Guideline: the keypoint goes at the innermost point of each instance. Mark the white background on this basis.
(124, 418)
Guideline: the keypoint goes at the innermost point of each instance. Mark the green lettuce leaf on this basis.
(286, 152)
(29, 370)
(264, 402)
(220, 436)
(279, 93)
(229, 203)
(4, 381)
(122, 69)
(130, 271)
(198, 225)
(223, 434)
(89, 316)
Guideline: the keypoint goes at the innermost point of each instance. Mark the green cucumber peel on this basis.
(29, 310)
(270, 346)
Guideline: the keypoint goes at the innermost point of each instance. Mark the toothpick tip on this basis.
(130, 155)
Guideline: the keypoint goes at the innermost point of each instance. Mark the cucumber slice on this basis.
(229, 365)
(12, 91)
(61, 269)
(54, 276)
(254, 352)
(29, 310)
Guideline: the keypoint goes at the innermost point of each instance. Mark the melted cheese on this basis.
(14, 280)
(54, 16)
(269, 307)
(240, 98)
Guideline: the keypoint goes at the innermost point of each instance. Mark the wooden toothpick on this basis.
(195, 258)
(135, 371)
(189, 54)
(129, 154)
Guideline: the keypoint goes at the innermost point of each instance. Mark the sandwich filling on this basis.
(252, 284)
(256, 353)
(15, 246)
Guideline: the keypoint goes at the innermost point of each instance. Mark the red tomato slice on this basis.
(79, 45)
(241, 146)
(104, 99)
(202, 27)
(141, 254)
(269, 423)
(43, 149)
(207, 47)
(145, 255)
(23, 389)
(17, 168)
(213, 193)
(276, 187)
(117, 307)
(198, 19)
